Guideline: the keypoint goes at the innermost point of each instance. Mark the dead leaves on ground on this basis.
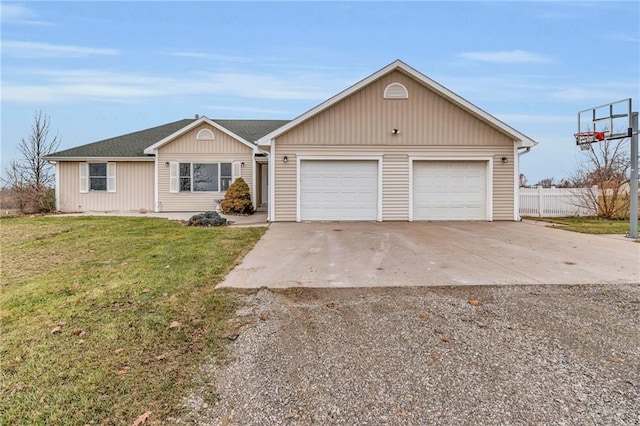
(615, 359)
(142, 419)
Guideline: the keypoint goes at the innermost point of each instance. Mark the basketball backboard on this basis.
(605, 122)
(615, 120)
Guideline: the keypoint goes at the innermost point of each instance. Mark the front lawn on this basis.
(587, 225)
(104, 319)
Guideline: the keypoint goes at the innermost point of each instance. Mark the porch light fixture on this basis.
(505, 160)
(395, 131)
(242, 164)
(285, 159)
(166, 164)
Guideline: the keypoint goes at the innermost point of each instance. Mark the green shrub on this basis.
(237, 200)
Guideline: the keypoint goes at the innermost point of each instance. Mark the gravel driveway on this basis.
(567, 355)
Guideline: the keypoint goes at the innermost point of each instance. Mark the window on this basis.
(205, 177)
(396, 91)
(225, 176)
(185, 177)
(200, 177)
(204, 135)
(98, 176)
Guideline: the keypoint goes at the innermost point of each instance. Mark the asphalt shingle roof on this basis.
(134, 144)
(251, 130)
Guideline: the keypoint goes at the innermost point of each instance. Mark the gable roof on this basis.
(129, 145)
(521, 139)
(248, 129)
(251, 130)
(133, 145)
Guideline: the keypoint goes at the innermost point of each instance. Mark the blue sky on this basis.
(104, 69)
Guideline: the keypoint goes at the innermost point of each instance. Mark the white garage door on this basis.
(450, 190)
(338, 190)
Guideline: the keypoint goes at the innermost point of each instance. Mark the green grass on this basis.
(587, 225)
(113, 286)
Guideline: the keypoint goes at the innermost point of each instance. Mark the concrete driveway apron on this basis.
(369, 254)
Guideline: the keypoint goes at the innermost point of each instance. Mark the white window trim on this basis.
(106, 177)
(205, 135)
(489, 179)
(219, 164)
(386, 91)
(377, 157)
(85, 177)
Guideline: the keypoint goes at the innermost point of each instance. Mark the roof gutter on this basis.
(526, 149)
(52, 158)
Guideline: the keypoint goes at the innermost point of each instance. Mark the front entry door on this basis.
(264, 186)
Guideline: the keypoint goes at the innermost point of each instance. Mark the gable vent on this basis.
(396, 91)
(204, 135)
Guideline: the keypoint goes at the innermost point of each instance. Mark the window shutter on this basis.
(174, 169)
(237, 170)
(111, 177)
(84, 177)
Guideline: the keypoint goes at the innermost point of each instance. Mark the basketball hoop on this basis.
(586, 138)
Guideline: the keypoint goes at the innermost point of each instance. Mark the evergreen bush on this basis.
(237, 200)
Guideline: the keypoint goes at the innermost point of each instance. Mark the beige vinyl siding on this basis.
(186, 149)
(366, 118)
(134, 188)
(395, 174)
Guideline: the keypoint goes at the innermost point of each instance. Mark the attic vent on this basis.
(396, 91)
(204, 135)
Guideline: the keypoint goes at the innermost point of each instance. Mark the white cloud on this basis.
(28, 49)
(249, 109)
(13, 11)
(621, 37)
(59, 86)
(210, 56)
(16, 13)
(605, 92)
(535, 118)
(194, 55)
(506, 57)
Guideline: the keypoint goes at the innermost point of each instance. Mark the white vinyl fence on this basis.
(553, 202)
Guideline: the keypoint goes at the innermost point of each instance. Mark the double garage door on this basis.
(348, 190)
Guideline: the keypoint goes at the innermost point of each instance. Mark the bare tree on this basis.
(546, 182)
(30, 179)
(604, 171)
(523, 180)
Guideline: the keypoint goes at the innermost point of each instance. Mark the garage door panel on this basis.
(449, 190)
(338, 189)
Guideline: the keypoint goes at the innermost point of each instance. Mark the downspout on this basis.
(516, 201)
(257, 150)
(57, 184)
(526, 151)
(156, 192)
(271, 200)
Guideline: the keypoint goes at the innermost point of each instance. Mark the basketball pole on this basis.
(633, 184)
